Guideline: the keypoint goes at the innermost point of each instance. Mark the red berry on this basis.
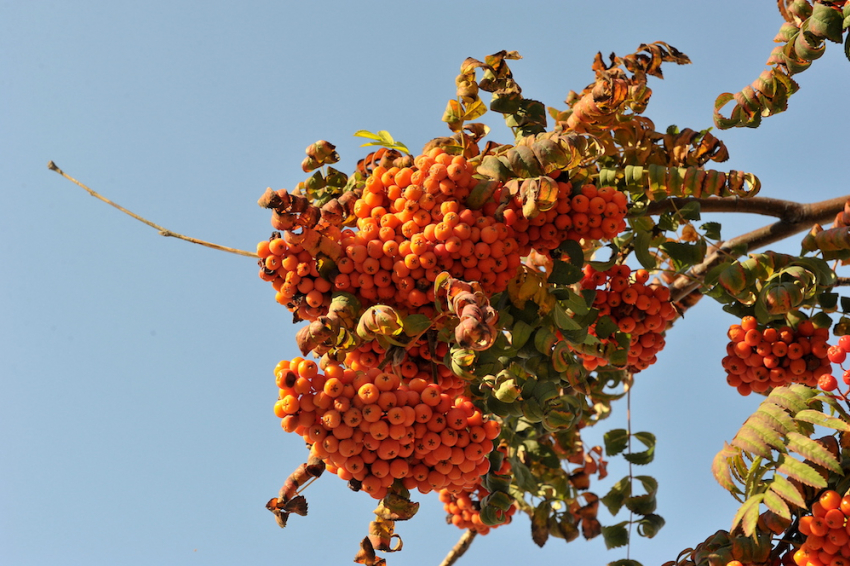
(836, 354)
(846, 377)
(827, 382)
(844, 343)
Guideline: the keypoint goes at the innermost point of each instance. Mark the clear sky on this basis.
(136, 388)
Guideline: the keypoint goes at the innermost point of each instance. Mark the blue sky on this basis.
(136, 422)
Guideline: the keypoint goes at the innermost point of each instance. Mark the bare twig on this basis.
(796, 218)
(162, 231)
(459, 548)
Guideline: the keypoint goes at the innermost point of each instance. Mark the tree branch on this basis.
(162, 231)
(461, 546)
(783, 209)
(799, 218)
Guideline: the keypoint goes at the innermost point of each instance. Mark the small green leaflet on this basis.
(383, 139)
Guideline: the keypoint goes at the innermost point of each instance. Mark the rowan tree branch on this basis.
(460, 547)
(162, 231)
(797, 218)
(782, 209)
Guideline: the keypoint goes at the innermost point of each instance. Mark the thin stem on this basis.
(460, 547)
(162, 231)
(306, 484)
(631, 477)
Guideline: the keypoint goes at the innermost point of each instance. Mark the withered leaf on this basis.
(297, 505)
(394, 507)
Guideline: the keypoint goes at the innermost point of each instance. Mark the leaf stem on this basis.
(162, 231)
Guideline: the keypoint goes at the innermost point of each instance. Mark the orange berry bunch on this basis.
(294, 275)
(412, 224)
(759, 358)
(417, 363)
(590, 213)
(827, 532)
(641, 310)
(464, 508)
(372, 428)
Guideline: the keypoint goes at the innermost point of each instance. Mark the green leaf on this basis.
(751, 443)
(812, 451)
(826, 22)
(523, 476)
(764, 427)
(520, 334)
(366, 134)
(800, 471)
(782, 421)
(748, 515)
(563, 320)
(642, 254)
(493, 168)
(683, 254)
(605, 327)
(572, 249)
(645, 457)
(820, 419)
(564, 273)
(616, 496)
(847, 47)
(416, 324)
(785, 489)
(643, 504)
(712, 230)
(649, 525)
(616, 535)
(625, 562)
(616, 441)
(776, 504)
(382, 138)
(577, 303)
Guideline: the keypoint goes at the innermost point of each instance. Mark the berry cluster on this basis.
(412, 224)
(827, 532)
(372, 427)
(464, 508)
(416, 363)
(408, 224)
(294, 273)
(641, 310)
(597, 214)
(759, 358)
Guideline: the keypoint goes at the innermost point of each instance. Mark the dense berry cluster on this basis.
(411, 223)
(592, 213)
(416, 363)
(464, 508)
(294, 273)
(827, 532)
(372, 427)
(759, 358)
(641, 310)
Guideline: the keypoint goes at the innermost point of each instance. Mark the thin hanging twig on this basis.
(461, 546)
(162, 231)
